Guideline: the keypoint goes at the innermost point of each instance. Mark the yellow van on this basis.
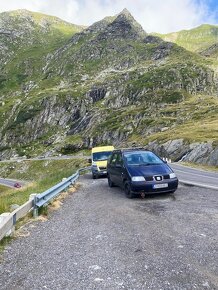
(99, 160)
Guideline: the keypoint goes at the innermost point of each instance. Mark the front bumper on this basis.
(166, 185)
(99, 172)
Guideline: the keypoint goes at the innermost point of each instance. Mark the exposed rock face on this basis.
(202, 153)
(97, 94)
(178, 150)
(124, 26)
(108, 83)
(211, 51)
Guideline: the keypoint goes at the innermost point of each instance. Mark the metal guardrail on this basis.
(44, 197)
(8, 220)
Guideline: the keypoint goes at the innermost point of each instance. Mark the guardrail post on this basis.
(35, 208)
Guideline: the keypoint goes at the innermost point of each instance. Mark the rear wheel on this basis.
(110, 183)
(127, 189)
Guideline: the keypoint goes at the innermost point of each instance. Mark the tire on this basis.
(110, 183)
(93, 176)
(127, 190)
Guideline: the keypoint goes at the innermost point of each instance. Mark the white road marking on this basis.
(200, 175)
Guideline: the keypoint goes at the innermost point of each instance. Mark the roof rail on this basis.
(130, 148)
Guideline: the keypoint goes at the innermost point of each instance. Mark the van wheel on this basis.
(110, 183)
(93, 176)
(127, 190)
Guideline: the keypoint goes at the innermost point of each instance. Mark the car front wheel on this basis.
(127, 189)
(110, 183)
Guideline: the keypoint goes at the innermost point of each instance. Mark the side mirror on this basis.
(90, 160)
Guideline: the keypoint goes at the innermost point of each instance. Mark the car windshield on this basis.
(142, 158)
(100, 156)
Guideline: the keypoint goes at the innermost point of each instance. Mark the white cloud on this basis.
(154, 15)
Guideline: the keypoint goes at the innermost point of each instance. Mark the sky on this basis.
(161, 16)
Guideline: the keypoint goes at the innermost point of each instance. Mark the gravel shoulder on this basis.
(99, 239)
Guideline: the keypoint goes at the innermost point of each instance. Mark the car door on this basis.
(119, 170)
(112, 167)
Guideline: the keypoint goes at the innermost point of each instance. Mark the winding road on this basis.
(196, 177)
(10, 182)
(7, 182)
(186, 175)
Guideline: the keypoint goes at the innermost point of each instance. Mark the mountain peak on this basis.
(126, 23)
(125, 12)
(122, 25)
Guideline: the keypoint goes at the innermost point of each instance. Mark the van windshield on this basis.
(142, 158)
(100, 156)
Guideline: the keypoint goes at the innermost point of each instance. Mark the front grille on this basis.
(158, 177)
(102, 168)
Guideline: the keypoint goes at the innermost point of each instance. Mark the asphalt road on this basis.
(10, 182)
(187, 175)
(196, 176)
(99, 239)
(7, 182)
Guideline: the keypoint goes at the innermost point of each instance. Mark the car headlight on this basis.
(94, 166)
(138, 178)
(172, 175)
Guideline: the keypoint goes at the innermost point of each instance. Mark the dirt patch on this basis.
(57, 203)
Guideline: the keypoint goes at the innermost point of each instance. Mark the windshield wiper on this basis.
(146, 164)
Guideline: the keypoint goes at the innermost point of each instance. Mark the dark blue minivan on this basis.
(140, 171)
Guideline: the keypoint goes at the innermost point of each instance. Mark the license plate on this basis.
(161, 185)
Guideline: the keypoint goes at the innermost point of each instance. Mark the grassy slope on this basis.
(40, 174)
(29, 59)
(3, 188)
(194, 119)
(151, 80)
(179, 117)
(26, 64)
(196, 39)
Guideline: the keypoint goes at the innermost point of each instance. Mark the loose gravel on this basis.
(99, 239)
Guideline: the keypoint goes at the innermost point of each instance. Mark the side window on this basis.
(119, 159)
(113, 158)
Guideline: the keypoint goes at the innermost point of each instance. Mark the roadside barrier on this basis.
(8, 220)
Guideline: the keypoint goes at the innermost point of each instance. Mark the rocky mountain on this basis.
(197, 39)
(66, 88)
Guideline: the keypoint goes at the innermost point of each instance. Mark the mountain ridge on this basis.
(196, 39)
(108, 83)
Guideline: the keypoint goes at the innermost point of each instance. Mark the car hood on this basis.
(149, 170)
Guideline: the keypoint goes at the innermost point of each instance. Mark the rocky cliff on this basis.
(67, 88)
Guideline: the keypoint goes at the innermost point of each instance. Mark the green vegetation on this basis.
(194, 120)
(39, 175)
(102, 85)
(3, 188)
(44, 35)
(3, 243)
(196, 39)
